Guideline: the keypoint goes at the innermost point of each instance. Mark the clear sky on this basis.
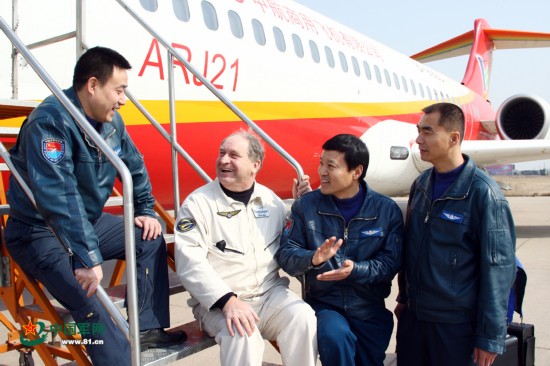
(412, 26)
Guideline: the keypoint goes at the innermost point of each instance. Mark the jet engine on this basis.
(523, 117)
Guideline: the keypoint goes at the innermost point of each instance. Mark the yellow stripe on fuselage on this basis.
(209, 111)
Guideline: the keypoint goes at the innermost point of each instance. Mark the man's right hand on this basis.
(89, 278)
(240, 314)
(326, 251)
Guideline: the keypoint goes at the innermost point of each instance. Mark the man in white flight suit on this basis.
(226, 237)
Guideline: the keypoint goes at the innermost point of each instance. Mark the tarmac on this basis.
(532, 219)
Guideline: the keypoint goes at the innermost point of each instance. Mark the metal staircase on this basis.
(14, 282)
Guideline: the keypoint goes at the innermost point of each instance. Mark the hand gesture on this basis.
(326, 251)
(337, 274)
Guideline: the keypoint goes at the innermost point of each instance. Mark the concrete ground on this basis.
(532, 218)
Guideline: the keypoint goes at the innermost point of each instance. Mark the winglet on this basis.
(480, 44)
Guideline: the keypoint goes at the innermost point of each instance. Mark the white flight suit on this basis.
(246, 267)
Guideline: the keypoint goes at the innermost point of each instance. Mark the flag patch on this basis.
(53, 150)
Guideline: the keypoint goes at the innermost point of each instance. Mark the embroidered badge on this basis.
(228, 214)
(118, 150)
(288, 227)
(372, 232)
(53, 150)
(185, 225)
(450, 216)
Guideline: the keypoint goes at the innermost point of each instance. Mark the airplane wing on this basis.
(489, 152)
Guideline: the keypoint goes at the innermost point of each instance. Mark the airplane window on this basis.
(396, 81)
(259, 34)
(181, 9)
(298, 48)
(442, 97)
(413, 87)
(209, 15)
(436, 95)
(404, 82)
(149, 5)
(355, 64)
(343, 61)
(429, 93)
(378, 75)
(367, 70)
(279, 39)
(235, 24)
(330, 56)
(421, 90)
(314, 51)
(388, 77)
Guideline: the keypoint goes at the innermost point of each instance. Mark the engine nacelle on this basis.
(523, 117)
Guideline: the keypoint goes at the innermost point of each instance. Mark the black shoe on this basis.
(159, 338)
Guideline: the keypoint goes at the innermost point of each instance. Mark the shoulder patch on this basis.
(53, 150)
(288, 227)
(185, 225)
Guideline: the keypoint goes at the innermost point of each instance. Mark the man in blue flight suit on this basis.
(459, 254)
(346, 239)
(71, 180)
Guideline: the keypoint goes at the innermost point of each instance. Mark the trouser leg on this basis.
(422, 343)
(290, 321)
(235, 350)
(373, 337)
(335, 339)
(151, 267)
(41, 256)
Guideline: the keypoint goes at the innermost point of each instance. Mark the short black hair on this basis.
(355, 151)
(451, 117)
(98, 62)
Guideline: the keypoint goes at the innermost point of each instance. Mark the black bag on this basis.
(510, 355)
(525, 333)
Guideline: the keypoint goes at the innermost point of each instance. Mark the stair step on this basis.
(196, 342)
(11, 108)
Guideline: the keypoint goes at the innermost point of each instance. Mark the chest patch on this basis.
(228, 214)
(372, 232)
(450, 216)
(53, 150)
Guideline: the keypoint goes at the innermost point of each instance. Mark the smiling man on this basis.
(71, 180)
(459, 254)
(346, 239)
(226, 236)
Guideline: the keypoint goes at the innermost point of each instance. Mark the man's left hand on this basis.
(151, 227)
(338, 274)
(484, 358)
(299, 189)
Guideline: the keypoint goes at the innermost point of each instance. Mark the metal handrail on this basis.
(216, 92)
(128, 205)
